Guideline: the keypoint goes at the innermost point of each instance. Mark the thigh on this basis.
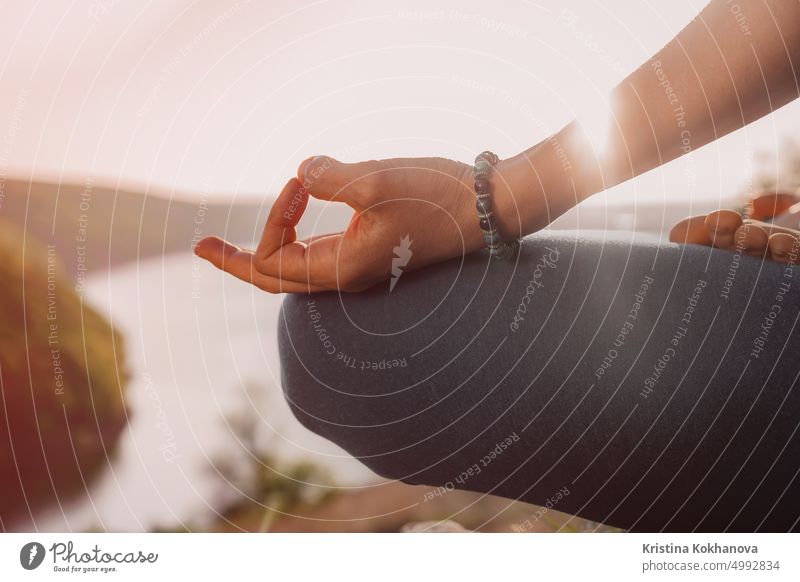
(647, 385)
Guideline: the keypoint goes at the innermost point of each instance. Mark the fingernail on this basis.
(302, 171)
(200, 248)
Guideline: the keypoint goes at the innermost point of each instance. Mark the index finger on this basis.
(284, 215)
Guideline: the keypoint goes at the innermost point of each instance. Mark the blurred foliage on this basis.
(61, 380)
(269, 486)
(300, 496)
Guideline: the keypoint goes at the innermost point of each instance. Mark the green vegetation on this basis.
(61, 381)
(269, 487)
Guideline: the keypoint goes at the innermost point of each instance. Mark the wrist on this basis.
(521, 201)
(537, 186)
(508, 203)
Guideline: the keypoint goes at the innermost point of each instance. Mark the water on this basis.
(201, 348)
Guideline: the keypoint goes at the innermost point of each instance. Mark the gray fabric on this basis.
(651, 384)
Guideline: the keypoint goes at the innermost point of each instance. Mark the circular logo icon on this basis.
(31, 555)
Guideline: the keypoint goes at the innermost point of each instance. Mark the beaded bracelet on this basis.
(498, 248)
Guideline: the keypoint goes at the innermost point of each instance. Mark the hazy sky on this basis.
(228, 97)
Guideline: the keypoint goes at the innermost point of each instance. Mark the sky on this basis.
(224, 99)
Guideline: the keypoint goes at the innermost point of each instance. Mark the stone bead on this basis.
(496, 246)
(491, 238)
(481, 167)
(498, 252)
(482, 186)
(487, 156)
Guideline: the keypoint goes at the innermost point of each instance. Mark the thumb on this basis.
(328, 179)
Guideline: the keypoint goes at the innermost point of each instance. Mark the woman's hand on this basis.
(408, 213)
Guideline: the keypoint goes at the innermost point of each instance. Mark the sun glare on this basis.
(596, 122)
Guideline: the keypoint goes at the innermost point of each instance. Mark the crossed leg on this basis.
(645, 385)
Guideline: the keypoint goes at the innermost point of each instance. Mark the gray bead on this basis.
(503, 250)
(491, 238)
(495, 252)
(482, 167)
(489, 156)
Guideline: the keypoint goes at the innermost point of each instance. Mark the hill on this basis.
(93, 227)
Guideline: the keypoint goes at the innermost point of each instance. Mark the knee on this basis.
(298, 355)
(339, 411)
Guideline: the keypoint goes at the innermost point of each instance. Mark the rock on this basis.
(62, 379)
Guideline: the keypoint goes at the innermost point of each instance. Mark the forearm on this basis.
(714, 77)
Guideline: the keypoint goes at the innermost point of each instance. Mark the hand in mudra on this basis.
(428, 200)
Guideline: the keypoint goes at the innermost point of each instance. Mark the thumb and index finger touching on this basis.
(279, 254)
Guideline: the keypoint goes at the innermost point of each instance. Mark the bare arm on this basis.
(718, 74)
(727, 68)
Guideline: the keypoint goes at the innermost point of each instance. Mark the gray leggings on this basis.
(642, 384)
